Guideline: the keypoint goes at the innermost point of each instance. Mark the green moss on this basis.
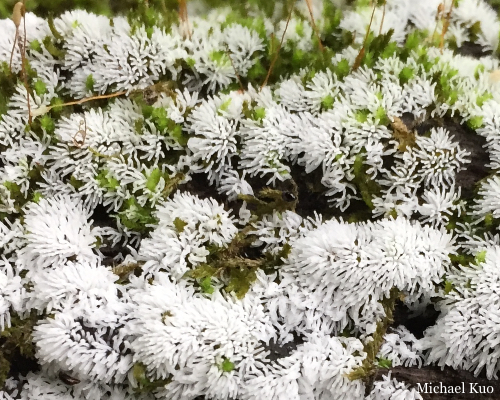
(413, 41)
(227, 365)
(76, 183)
(106, 180)
(259, 113)
(231, 265)
(483, 98)
(16, 342)
(381, 116)
(366, 185)
(35, 45)
(56, 104)
(124, 270)
(372, 347)
(362, 115)
(153, 179)
(448, 287)
(475, 31)
(39, 87)
(342, 68)
(475, 122)
(327, 102)
(37, 196)
(480, 257)
(58, 37)
(224, 106)
(384, 363)
(160, 119)
(89, 83)
(15, 193)
(240, 280)
(257, 72)
(461, 259)
(179, 224)
(4, 369)
(55, 51)
(206, 285)
(220, 58)
(7, 87)
(144, 383)
(136, 217)
(406, 74)
(274, 201)
(299, 28)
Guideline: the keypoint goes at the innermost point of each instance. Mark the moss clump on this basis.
(16, 345)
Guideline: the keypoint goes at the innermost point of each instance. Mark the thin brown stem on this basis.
(13, 49)
(183, 15)
(361, 54)
(438, 17)
(369, 25)
(17, 13)
(313, 23)
(25, 75)
(275, 58)
(383, 17)
(235, 71)
(99, 97)
(46, 109)
(446, 24)
(82, 132)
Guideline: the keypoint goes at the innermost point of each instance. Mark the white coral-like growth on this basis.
(186, 226)
(73, 286)
(316, 369)
(489, 200)
(466, 335)
(174, 117)
(392, 389)
(11, 295)
(402, 348)
(204, 345)
(56, 229)
(90, 343)
(344, 270)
